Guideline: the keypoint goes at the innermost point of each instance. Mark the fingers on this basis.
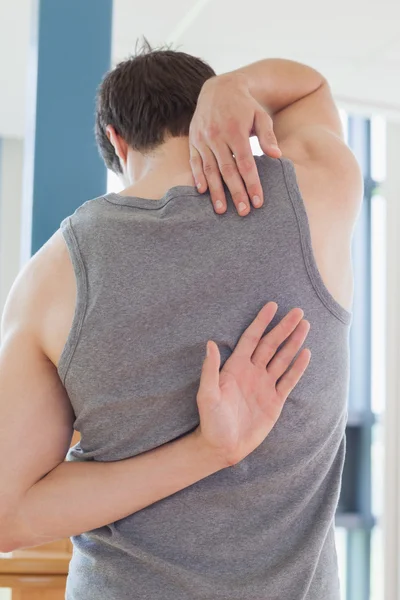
(209, 381)
(270, 343)
(263, 128)
(251, 337)
(247, 168)
(230, 173)
(239, 173)
(197, 168)
(289, 381)
(283, 359)
(213, 179)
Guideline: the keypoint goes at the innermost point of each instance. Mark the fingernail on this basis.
(257, 201)
(275, 147)
(198, 186)
(242, 207)
(218, 204)
(207, 350)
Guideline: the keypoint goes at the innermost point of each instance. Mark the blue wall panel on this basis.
(70, 52)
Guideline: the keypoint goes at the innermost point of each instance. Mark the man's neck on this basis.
(153, 174)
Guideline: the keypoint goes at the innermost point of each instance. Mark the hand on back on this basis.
(239, 405)
(225, 118)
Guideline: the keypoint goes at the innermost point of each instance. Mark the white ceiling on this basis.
(354, 43)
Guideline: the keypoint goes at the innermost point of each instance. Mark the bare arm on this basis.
(296, 96)
(43, 498)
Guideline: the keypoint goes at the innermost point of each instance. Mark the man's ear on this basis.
(119, 144)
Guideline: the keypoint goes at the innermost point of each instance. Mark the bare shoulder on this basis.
(327, 172)
(42, 299)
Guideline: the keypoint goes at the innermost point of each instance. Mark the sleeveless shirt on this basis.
(155, 280)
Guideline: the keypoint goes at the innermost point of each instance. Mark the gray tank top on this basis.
(156, 279)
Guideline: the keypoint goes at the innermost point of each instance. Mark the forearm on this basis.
(277, 83)
(78, 497)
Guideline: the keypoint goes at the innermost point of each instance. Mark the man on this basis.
(122, 302)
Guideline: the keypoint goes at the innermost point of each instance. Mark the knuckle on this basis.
(252, 338)
(232, 126)
(269, 348)
(270, 344)
(239, 196)
(216, 192)
(212, 131)
(195, 136)
(208, 168)
(228, 169)
(254, 190)
(245, 165)
(199, 137)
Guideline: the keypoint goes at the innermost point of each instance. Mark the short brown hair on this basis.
(152, 94)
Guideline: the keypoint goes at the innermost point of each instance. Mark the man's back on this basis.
(157, 279)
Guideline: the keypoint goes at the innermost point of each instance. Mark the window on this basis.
(359, 532)
(378, 322)
(113, 183)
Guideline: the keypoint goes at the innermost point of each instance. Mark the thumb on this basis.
(209, 381)
(263, 129)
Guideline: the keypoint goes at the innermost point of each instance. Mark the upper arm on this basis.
(316, 110)
(310, 133)
(36, 417)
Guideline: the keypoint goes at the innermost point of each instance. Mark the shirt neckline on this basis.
(153, 204)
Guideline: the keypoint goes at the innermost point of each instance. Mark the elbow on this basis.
(11, 544)
(7, 543)
(10, 538)
(6, 546)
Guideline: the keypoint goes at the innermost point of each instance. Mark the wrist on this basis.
(237, 79)
(254, 85)
(205, 452)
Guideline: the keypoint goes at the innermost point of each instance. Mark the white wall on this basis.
(11, 165)
(15, 27)
(355, 44)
